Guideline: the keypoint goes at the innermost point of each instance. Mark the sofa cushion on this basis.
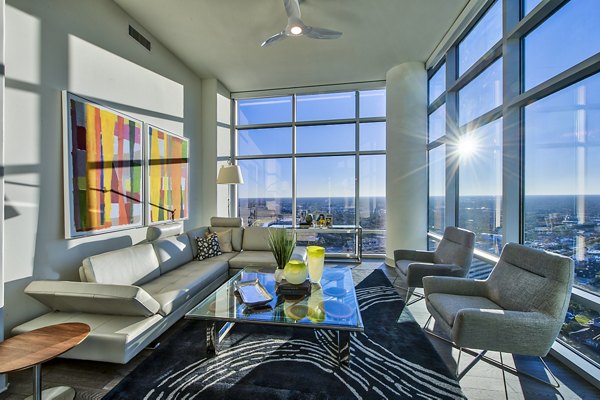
(173, 252)
(235, 224)
(95, 298)
(133, 265)
(174, 288)
(236, 235)
(224, 239)
(256, 239)
(193, 234)
(113, 338)
(208, 247)
(448, 305)
(253, 258)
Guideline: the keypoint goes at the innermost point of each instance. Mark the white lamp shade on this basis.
(230, 174)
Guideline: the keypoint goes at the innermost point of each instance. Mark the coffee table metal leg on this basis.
(215, 333)
(211, 338)
(343, 347)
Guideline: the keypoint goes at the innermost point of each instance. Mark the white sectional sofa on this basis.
(130, 296)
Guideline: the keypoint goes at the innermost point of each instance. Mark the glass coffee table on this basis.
(332, 305)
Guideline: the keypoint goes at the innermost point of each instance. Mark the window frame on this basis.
(294, 154)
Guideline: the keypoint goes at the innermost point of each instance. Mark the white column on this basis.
(2, 377)
(208, 155)
(406, 188)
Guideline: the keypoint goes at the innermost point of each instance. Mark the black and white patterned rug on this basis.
(392, 359)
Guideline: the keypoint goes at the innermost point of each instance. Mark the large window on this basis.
(330, 159)
(480, 185)
(223, 151)
(521, 144)
(437, 189)
(481, 95)
(562, 177)
(485, 34)
(265, 198)
(569, 36)
(436, 136)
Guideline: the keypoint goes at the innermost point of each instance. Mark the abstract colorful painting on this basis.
(168, 184)
(103, 168)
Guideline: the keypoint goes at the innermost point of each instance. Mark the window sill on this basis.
(578, 364)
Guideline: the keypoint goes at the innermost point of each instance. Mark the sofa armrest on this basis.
(93, 298)
(452, 285)
(518, 332)
(415, 255)
(416, 272)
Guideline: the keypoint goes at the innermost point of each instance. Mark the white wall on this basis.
(84, 47)
(406, 161)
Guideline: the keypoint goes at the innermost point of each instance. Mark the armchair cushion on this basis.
(413, 255)
(417, 271)
(449, 305)
(452, 285)
(95, 298)
(402, 265)
(527, 333)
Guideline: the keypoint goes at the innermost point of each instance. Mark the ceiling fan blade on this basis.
(321, 33)
(292, 8)
(273, 39)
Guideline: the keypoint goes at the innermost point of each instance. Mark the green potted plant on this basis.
(281, 242)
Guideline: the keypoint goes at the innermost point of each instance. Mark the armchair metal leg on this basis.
(409, 292)
(419, 296)
(435, 335)
(481, 356)
(516, 372)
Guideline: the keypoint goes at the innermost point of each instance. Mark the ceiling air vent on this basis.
(139, 38)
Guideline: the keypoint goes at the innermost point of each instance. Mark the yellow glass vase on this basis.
(316, 262)
(295, 272)
(315, 304)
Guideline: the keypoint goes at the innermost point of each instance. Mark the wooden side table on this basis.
(33, 348)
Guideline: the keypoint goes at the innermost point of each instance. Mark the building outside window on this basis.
(317, 154)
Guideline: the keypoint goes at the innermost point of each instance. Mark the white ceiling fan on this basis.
(295, 27)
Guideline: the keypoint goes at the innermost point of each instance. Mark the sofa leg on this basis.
(153, 345)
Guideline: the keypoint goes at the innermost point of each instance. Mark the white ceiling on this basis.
(221, 38)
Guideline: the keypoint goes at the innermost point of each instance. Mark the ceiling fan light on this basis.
(296, 30)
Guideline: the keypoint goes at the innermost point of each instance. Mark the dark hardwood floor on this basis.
(92, 380)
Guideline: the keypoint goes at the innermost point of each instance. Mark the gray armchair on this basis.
(452, 257)
(518, 309)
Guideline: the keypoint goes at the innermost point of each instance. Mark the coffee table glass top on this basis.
(331, 305)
